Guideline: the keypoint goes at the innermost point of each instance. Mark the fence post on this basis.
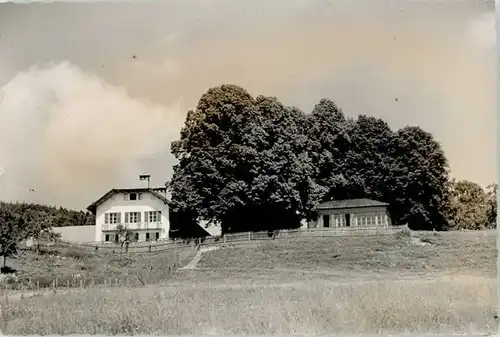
(38, 286)
(55, 284)
(67, 284)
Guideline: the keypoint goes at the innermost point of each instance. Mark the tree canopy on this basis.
(473, 207)
(21, 221)
(256, 164)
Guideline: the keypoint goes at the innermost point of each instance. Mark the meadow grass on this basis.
(302, 286)
(73, 264)
(309, 308)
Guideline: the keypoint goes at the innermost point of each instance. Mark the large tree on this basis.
(369, 159)
(273, 169)
(328, 133)
(472, 207)
(11, 232)
(243, 162)
(419, 180)
(205, 152)
(491, 193)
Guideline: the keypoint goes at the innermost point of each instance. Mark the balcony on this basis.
(133, 226)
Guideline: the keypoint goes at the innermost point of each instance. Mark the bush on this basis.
(75, 253)
(405, 232)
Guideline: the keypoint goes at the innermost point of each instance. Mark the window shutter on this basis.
(125, 196)
(106, 218)
(158, 214)
(139, 216)
(118, 217)
(126, 217)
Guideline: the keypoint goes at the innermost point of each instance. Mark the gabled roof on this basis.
(154, 191)
(350, 203)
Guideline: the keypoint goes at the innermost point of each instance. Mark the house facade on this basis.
(351, 213)
(143, 211)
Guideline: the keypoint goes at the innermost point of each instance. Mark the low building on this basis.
(143, 211)
(352, 213)
(76, 234)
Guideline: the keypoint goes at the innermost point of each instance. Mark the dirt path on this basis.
(193, 263)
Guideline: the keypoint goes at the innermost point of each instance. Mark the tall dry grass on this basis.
(314, 309)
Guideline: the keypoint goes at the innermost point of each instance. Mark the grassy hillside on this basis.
(72, 263)
(306, 286)
(451, 252)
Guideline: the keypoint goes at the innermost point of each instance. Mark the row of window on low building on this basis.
(136, 237)
(132, 217)
(345, 220)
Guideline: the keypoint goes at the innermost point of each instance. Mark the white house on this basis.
(143, 211)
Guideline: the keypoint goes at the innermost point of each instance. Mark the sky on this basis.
(91, 95)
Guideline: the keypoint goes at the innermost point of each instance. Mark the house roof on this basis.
(350, 203)
(154, 191)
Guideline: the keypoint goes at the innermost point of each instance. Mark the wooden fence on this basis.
(300, 233)
(234, 238)
(42, 283)
(30, 286)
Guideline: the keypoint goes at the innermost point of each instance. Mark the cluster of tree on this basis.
(59, 216)
(21, 221)
(256, 164)
(473, 207)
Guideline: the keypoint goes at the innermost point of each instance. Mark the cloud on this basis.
(71, 136)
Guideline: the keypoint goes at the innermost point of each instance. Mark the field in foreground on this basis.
(297, 286)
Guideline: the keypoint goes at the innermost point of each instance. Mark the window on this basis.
(157, 236)
(106, 238)
(361, 220)
(132, 196)
(153, 216)
(368, 221)
(342, 220)
(132, 217)
(117, 237)
(112, 218)
(136, 236)
(147, 236)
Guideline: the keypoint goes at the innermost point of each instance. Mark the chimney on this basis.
(147, 177)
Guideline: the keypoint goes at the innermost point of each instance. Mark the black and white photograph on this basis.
(237, 168)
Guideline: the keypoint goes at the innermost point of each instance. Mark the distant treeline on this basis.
(58, 216)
